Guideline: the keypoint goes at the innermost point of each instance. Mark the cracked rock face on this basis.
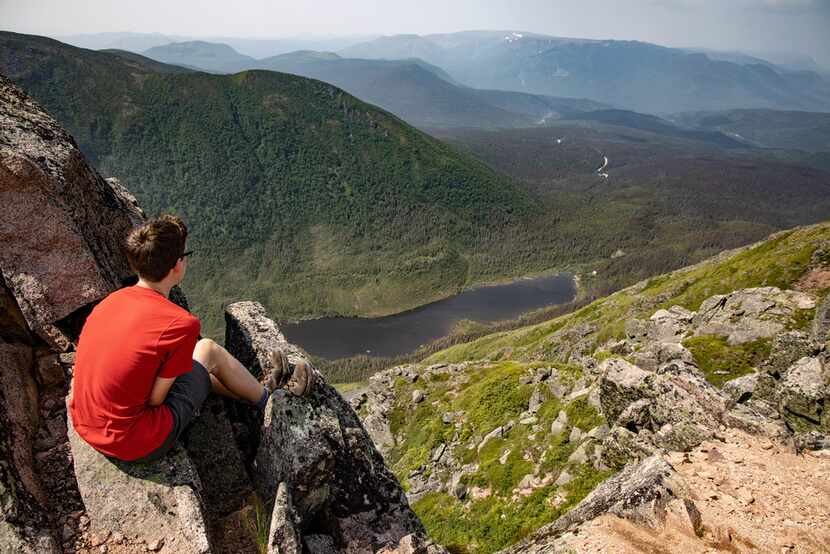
(61, 225)
(23, 502)
(335, 480)
(749, 314)
(671, 409)
(804, 395)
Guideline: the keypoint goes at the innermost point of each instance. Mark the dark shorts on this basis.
(186, 396)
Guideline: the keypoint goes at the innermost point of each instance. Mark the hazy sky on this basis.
(800, 26)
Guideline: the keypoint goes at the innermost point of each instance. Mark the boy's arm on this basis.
(175, 346)
(160, 389)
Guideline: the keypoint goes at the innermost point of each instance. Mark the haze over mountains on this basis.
(629, 74)
(254, 47)
(508, 79)
(626, 74)
(419, 92)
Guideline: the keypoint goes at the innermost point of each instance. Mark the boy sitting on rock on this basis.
(141, 372)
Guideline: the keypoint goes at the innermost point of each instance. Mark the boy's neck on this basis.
(160, 287)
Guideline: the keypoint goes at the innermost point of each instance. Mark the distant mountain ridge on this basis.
(200, 55)
(419, 92)
(635, 75)
(254, 47)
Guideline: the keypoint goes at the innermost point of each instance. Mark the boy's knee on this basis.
(205, 353)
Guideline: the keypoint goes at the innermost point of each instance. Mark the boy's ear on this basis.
(176, 268)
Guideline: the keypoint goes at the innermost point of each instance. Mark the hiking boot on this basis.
(281, 370)
(298, 379)
(302, 380)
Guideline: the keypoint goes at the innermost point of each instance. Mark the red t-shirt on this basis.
(131, 337)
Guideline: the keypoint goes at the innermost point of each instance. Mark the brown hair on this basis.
(154, 248)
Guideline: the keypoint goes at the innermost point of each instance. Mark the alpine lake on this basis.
(343, 337)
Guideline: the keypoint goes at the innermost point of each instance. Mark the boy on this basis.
(141, 372)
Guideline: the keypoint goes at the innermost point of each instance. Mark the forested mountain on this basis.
(297, 194)
(634, 75)
(421, 96)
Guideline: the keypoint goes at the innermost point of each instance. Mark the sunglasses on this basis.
(186, 254)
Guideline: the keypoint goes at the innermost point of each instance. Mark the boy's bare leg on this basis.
(230, 374)
(217, 387)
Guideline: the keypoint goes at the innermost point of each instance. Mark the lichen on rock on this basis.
(337, 481)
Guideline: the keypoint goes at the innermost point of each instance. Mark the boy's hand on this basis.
(161, 387)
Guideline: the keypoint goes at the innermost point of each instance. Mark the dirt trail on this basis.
(753, 496)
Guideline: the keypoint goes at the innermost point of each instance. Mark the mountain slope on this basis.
(297, 194)
(634, 75)
(497, 437)
(405, 88)
(131, 42)
(767, 128)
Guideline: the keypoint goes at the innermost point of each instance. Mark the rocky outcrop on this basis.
(671, 409)
(250, 334)
(218, 460)
(654, 354)
(786, 349)
(283, 536)
(739, 494)
(61, 225)
(665, 403)
(157, 505)
(414, 544)
(641, 493)
(380, 397)
(804, 396)
(821, 322)
(750, 314)
(24, 521)
(315, 448)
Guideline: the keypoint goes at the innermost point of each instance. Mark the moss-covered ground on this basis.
(489, 396)
(490, 524)
(720, 362)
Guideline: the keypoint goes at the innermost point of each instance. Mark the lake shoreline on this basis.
(344, 337)
(575, 277)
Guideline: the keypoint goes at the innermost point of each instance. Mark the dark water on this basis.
(403, 333)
